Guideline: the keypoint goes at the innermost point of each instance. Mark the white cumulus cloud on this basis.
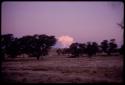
(65, 40)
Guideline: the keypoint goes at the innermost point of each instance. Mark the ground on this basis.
(60, 69)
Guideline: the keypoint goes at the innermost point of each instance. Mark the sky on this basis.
(81, 21)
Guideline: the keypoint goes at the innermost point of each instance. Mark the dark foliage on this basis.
(36, 46)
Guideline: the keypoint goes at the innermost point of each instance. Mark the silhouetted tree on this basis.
(59, 51)
(89, 49)
(6, 42)
(78, 49)
(94, 48)
(14, 48)
(74, 49)
(66, 51)
(37, 45)
(109, 47)
(82, 48)
(45, 42)
(112, 47)
(104, 46)
(26, 44)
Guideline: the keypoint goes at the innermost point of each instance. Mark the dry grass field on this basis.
(60, 69)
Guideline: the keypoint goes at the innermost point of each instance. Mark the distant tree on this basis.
(45, 42)
(89, 49)
(26, 44)
(66, 51)
(109, 47)
(13, 50)
(6, 42)
(82, 48)
(104, 46)
(78, 49)
(95, 48)
(59, 51)
(37, 45)
(74, 49)
(112, 47)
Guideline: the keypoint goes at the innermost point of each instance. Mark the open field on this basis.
(60, 69)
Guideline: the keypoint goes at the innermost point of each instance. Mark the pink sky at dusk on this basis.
(84, 21)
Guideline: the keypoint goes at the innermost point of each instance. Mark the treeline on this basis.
(91, 48)
(35, 45)
(40, 45)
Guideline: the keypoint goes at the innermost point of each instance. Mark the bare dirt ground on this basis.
(60, 69)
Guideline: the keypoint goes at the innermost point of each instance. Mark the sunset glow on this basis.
(65, 40)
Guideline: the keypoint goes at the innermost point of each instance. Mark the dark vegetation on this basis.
(34, 46)
(91, 48)
(39, 45)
